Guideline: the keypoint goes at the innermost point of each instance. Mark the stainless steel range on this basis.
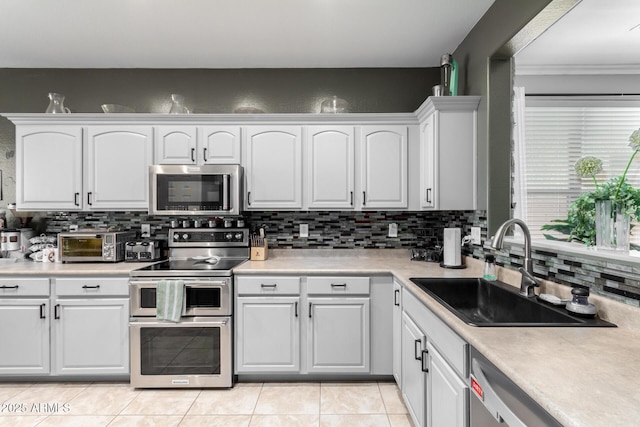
(195, 351)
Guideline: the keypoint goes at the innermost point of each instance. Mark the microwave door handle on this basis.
(225, 192)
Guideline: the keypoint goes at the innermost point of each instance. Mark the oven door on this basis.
(193, 353)
(204, 297)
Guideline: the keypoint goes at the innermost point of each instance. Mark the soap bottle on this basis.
(489, 268)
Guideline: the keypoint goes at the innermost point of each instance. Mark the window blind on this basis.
(560, 131)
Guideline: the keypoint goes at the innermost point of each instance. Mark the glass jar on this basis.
(56, 104)
(489, 268)
(177, 105)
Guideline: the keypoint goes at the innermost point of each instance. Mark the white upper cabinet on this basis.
(330, 167)
(49, 167)
(384, 166)
(190, 145)
(175, 145)
(273, 167)
(118, 160)
(448, 153)
(219, 144)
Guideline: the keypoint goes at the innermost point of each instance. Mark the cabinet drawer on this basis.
(10, 287)
(92, 286)
(338, 285)
(268, 285)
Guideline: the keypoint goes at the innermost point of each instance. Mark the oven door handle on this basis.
(146, 322)
(187, 283)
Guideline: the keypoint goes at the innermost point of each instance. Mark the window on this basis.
(559, 131)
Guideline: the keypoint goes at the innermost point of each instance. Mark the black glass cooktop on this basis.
(190, 267)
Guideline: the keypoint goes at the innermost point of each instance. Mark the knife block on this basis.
(259, 253)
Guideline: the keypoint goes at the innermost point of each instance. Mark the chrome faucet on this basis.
(528, 282)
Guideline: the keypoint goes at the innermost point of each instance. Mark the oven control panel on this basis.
(208, 237)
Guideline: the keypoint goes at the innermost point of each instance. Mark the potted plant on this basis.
(601, 217)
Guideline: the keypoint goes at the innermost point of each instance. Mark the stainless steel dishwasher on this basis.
(498, 401)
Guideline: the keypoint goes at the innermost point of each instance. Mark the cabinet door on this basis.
(91, 336)
(24, 336)
(414, 385)
(219, 145)
(118, 161)
(448, 394)
(384, 166)
(397, 333)
(428, 164)
(330, 167)
(268, 334)
(175, 145)
(49, 167)
(273, 167)
(338, 335)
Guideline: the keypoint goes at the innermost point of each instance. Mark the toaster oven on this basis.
(93, 245)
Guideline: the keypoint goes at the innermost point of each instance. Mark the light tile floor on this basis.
(329, 404)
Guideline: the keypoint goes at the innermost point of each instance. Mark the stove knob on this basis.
(185, 236)
(228, 236)
(176, 236)
(238, 237)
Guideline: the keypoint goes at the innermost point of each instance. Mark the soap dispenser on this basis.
(489, 268)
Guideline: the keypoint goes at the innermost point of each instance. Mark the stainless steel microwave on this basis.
(93, 245)
(195, 190)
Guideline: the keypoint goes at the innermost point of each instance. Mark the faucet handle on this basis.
(530, 277)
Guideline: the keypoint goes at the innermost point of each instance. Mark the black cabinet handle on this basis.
(262, 285)
(56, 311)
(364, 198)
(310, 310)
(339, 285)
(89, 198)
(296, 308)
(352, 198)
(424, 361)
(9, 287)
(193, 155)
(90, 286)
(204, 154)
(42, 314)
(76, 199)
(428, 195)
(416, 349)
(396, 295)
(249, 198)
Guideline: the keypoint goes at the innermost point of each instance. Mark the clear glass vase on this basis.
(613, 227)
(56, 104)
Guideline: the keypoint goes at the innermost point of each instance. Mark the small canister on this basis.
(10, 240)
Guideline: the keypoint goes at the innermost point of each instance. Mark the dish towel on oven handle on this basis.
(169, 300)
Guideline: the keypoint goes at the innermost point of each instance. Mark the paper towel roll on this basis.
(452, 255)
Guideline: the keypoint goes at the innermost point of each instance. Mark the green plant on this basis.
(579, 225)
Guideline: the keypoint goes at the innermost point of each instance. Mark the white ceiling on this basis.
(232, 33)
(596, 36)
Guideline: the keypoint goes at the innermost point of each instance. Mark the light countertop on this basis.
(581, 376)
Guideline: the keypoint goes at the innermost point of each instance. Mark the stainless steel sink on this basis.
(479, 302)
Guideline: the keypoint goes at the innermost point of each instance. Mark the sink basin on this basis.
(479, 302)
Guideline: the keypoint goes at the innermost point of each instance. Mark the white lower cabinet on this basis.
(24, 326)
(313, 325)
(338, 335)
(76, 326)
(397, 332)
(24, 336)
(414, 379)
(90, 326)
(448, 394)
(90, 336)
(434, 362)
(268, 334)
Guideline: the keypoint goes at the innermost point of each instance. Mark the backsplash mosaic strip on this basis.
(347, 230)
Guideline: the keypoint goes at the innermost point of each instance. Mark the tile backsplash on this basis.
(347, 230)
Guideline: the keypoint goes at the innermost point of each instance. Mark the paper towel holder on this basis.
(453, 241)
